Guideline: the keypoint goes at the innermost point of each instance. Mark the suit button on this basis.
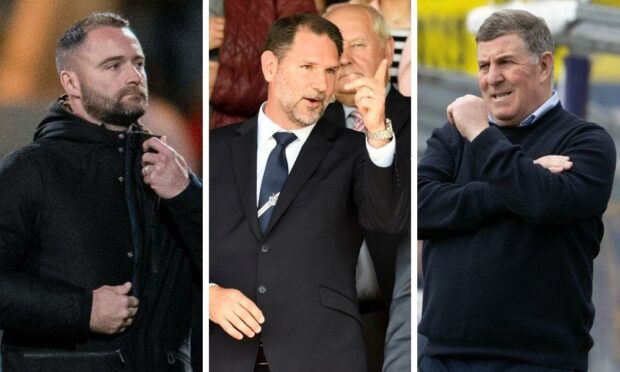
(264, 248)
(262, 289)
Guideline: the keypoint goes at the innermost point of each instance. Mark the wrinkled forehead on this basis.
(308, 46)
(509, 44)
(103, 40)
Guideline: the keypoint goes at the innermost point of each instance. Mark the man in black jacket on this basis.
(367, 42)
(99, 222)
(511, 212)
(289, 196)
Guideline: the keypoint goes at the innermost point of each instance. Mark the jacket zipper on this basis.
(77, 354)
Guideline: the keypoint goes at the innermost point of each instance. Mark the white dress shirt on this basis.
(382, 157)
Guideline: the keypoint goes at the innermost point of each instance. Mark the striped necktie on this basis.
(359, 122)
(275, 174)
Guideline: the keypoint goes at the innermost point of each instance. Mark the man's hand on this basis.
(370, 101)
(555, 163)
(234, 312)
(113, 309)
(216, 32)
(164, 169)
(214, 67)
(469, 115)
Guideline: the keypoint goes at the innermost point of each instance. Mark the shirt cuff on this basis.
(384, 156)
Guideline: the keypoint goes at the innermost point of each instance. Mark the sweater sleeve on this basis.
(534, 193)
(445, 207)
(186, 212)
(28, 302)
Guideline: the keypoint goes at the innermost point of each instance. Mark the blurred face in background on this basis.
(363, 49)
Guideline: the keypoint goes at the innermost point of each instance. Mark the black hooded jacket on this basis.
(74, 216)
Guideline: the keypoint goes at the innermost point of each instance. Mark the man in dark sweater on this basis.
(510, 198)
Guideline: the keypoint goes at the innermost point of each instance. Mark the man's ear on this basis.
(546, 66)
(70, 83)
(269, 64)
(389, 51)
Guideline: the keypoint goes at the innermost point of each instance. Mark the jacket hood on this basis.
(61, 123)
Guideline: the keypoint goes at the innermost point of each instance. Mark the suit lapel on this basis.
(312, 153)
(335, 114)
(244, 163)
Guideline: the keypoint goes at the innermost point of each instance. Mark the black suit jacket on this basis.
(301, 272)
(382, 246)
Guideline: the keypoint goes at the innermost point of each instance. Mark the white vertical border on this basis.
(414, 187)
(205, 185)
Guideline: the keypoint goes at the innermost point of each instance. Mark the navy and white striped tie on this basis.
(275, 174)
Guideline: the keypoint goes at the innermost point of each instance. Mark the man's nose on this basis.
(319, 82)
(135, 75)
(494, 76)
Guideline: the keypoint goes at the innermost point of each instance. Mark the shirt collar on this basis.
(267, 127)
(531, 119)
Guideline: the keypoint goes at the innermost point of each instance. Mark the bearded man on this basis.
(290, 196)
(98, 222)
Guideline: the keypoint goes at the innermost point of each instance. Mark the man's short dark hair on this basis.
(282, 32)
(531, 29)
(76, 34)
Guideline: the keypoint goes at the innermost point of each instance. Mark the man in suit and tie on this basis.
(290, 196)
(367, 42)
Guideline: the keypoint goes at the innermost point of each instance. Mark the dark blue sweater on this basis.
(509, 245)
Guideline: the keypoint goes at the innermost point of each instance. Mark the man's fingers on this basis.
(357, 84)
(232, 331)
(133, 302)
(122, 289)
(381, 73)
(449, 114)
(240, 324)
(156, 144)
(149, 158)
(251, 307)
(247, 318)
(554, 163)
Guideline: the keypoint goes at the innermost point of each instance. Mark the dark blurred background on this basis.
(171, 35)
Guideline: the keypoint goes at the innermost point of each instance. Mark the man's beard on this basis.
(294, 108)
(112, 110)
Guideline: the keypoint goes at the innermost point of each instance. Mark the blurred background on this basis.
(587, 77)
(170, 32)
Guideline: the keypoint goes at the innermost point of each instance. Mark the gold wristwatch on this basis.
(386, 133)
